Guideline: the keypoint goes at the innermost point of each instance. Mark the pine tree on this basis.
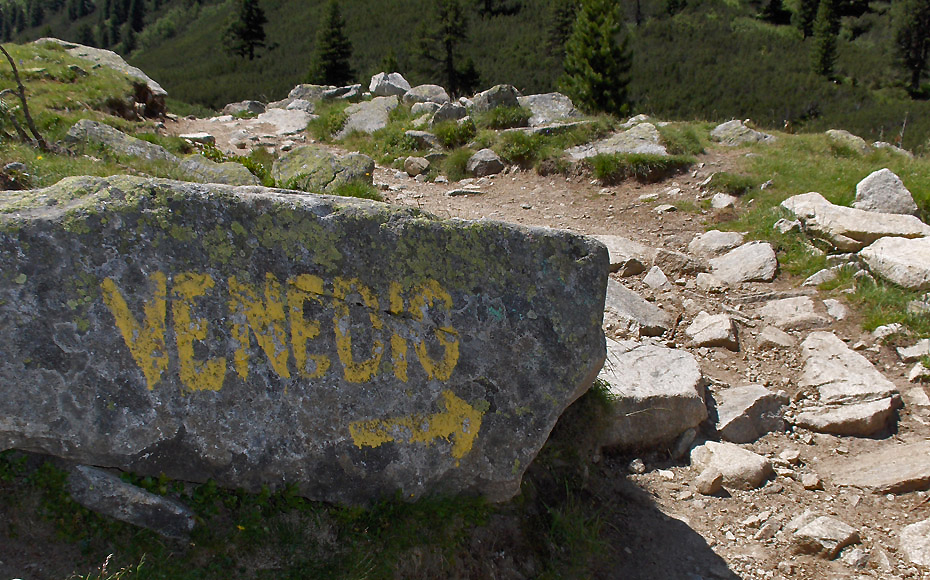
(774, 12)
(911, 19)
(330, 64)
(804, 17)
(826, 30)
(137, 15)
(247, 32)
(440, 48)
(85, 35)
(597, 67)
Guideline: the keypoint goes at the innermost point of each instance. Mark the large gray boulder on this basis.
(483, 163)
(263, 337)
(657, 394)
(748, 412)
(751, 262)
(883, 192)
(368, 116)
(849, 229)
(734, 133)
(86, 132)
(318, 170)
(630, 312)
(906, 262)
(844, 138)
(740, 468)
(244, 107)
(426, 94)
(548, 108)
(388, 84)
(148, 97)
(496, 96)
(202, 170)
(641, 138)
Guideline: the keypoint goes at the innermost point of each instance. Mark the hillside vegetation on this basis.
(712, 60)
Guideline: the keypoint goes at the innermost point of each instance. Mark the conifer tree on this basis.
(440, 47)
(137, 15)
(911, 19)
(597, 67)
(826, 30)
(804, 18)
(330, 64)
(247, 32)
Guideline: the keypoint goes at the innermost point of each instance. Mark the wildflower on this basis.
(241, 528)
(39, 158)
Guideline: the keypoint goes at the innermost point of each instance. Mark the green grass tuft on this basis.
(732, 183)
(454, 134)
(644, 167)
(453, 166)
(331, 118)
(504, 118)
(358, 189)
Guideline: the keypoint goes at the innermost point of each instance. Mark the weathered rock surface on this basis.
(548, 108)
(675, 262)
(658, 394)
(426, 94)
(713, 243)
(424, 139)
(906, 262)
(318, 170)
(847, 139)
(850, 229)
(746, 413)
(109, 495)
(388, 84)
(259, 336)
(87, 132)
(656, 278)
(884, 192)
(368, 116)
(736, 133)
(627, 257)
(821, 535)
(496, 96)
(483, 163)
(914, 352)
(448, 112)
(852, 397)
(915, 543)
(798, 313)
(147, 94)
(415, 165)
(772, 337)
(630, 311)
(752, 262)
(252, 107)
(285, 121)
(229, 173)
(740, 468)
(889, 469)
(641, 138)
(713, 330)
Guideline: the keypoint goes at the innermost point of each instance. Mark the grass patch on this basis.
(732, 183)
(331, 118)
(882, 302)
(684, 138)
(644, 167)
(453, 134)
(504, 118)
(358, 189)
(453, 166)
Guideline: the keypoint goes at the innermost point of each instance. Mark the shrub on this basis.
(645, 167)
(453, 166)
(505, 117)
(453, 134)
(521, 149)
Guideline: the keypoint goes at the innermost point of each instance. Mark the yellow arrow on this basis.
(459, 419)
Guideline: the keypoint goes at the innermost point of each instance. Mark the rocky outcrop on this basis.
(317, 170)
(368, 116)
(751, 262)
(388, 84)
(86, 132)
(426, 94)
(203, 170)
(548, 108)
(496, 96)
(641, 138)
(258, 336)
(843, 138)
(734, 133)
(629, 313)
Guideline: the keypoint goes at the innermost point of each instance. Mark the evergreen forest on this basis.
(799, 65)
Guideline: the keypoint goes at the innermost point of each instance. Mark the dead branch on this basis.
(21, 93)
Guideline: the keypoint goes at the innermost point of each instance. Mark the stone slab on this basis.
(266, 337)
(633, 311)
(890, 468)
(906, 262)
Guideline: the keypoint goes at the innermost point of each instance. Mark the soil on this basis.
(655, 523)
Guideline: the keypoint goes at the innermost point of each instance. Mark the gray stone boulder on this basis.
(426, 94)
(388, 84)
(797, 313)
(627, 257)
(850, 396)
(906, 262)
(107, 494)
(734, 133)
(641, 138)
(844, 138)
(448, 112)
(751, 262)
(915, 543)
(746, 413)
(86, 132)
(285, 121)
(199, 168)
(893, 149)
(484, 162)
(630, 313)
(883, 192)
(415, 165)
(822, 536)
(496, 96)
(548, 108)
(849, 229)
(714, 243)
(425, 108)
(713, 330)
(244, 107)
(368, 116)
(318, 170)
(147, 97)
(424, 139)
(257, 336)
(889, 468)
(740, 468)
(657, 392)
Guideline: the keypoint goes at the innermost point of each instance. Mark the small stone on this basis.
(741, 468)
(637, 466)
(722, 201)
(836, 309)
(664, 208)
(709, 482)
(656, 278)
(824, 536)
(811, 481)
(713, 330)
(784, 226)
(886, 330)
(914, 353)
(915, 543)
(772, 337)
(918, 373)
(790, 456)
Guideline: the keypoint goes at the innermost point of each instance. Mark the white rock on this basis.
(884, 192)
(884, 331)
(628, 309)
(627, 257)
(285, 122)
(736, 133)
(890, 468)
(714, 242)
(388, 84)
(709, 283)
(918, 374)
(836, 309)
(658, 394)
(913, 353)
(799, 313)
(847, 228)
(906, 262)
(722, 201)
(740, 468)
(820, 277)
(746, 413)
(915, 543)
(713, 330)
(825, 537)
(656, 278)
(772, 337)
(752, 262)
(199, 137)
(784, 226)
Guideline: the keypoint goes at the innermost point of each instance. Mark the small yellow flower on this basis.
(39, 158)
(241, 528)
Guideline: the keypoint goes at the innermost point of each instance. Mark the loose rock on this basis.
(740, 468)
(629, 310)
(714, 243)
(906, 262)
(752, 262)
(746, 413)
(713, 330)
(884, 192)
